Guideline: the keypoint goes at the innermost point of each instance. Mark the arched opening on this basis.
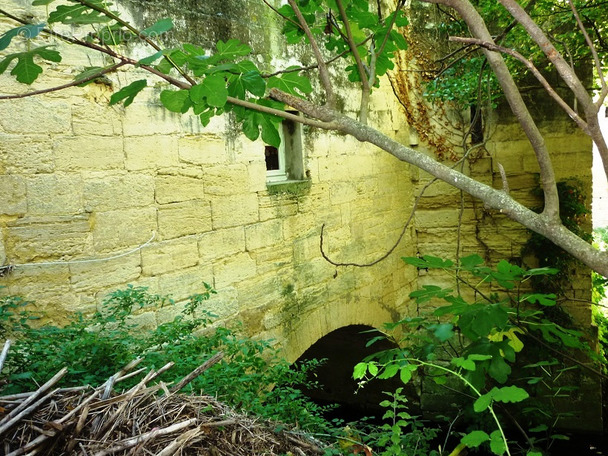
(343, 349)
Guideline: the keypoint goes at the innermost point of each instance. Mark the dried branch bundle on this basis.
(147, 419)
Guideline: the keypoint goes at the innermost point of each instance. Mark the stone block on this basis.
(54, 194)
(174, 189)
(20, 154)
(95, 119)
(277, 206)
(182, 284)
(92, 276)
(234, 269)
(109, 192)
(226, 180)
(185, 218)
(81, 153)
(441, 218)
(2, 249)
(234, 210)
(223, 304)
(120, 229)
(202, 149)
(48, 239)
(25, 116)
(343, 192)
(276, 259)
(300, 225)
(169, 256)
(145, 321)
(148, 119)
(13, 191)
(257, 176)
(221, 243)
(263, 234)
(150, 152)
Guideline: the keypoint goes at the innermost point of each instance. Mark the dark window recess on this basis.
(476, 125)
(285, 162)
(272, 158)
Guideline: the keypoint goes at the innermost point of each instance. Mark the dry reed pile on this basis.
(151, 418)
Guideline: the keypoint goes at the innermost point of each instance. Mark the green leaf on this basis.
(42, 2)
(359, 371)
(540, 428)
(497, 443)
(475, 438)
(26, 31)
(541, 298)
(47, 54)
(405, 374)
(373, 369)
(231, 49)
(464, 363)
(443, 331)
(151, 58)
(482, 402)
(479, 357)
(428, 262)
(291, 83)
(214, 87)
(87, 73)
(128, 93)
(389, 371)
(206, 116)
(26, 71)
(161, 26)
(254, 83)
(176, 100)
(79, 14)
(429, 292)
(471, 261)
(212, 90)
(534, 453)
(509, 394)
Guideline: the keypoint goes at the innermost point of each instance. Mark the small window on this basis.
(285, 162)
(476, 125)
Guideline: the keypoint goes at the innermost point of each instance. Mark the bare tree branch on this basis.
(77, 82)
(493, 47)
(323, 73)
(365, 89)
(518, 107)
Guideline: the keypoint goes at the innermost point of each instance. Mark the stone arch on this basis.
(301, 333)
(344, 348)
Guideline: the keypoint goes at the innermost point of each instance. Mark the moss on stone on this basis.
(291, 188)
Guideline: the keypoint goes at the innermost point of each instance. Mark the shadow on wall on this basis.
(343, 349)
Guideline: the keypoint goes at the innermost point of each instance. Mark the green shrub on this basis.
(250, 377)
(475, 341)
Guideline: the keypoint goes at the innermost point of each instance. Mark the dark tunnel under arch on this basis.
(344, 348)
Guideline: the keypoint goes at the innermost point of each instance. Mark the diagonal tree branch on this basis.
(518, 107)
(323, 72)
(365, 89)
(493, 47)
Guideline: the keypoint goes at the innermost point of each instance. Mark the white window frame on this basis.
(290, 154)
(278, 175)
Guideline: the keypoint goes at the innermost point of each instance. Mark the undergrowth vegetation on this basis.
(516, 374)
(251, 376)
(486, 345)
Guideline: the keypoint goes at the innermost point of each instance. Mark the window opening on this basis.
(476, 125)
(285, 162)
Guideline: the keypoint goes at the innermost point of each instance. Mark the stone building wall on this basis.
(82, 182)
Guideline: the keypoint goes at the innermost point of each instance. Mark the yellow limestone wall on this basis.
(83, 181)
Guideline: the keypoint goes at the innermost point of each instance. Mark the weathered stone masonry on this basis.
(80, 180)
